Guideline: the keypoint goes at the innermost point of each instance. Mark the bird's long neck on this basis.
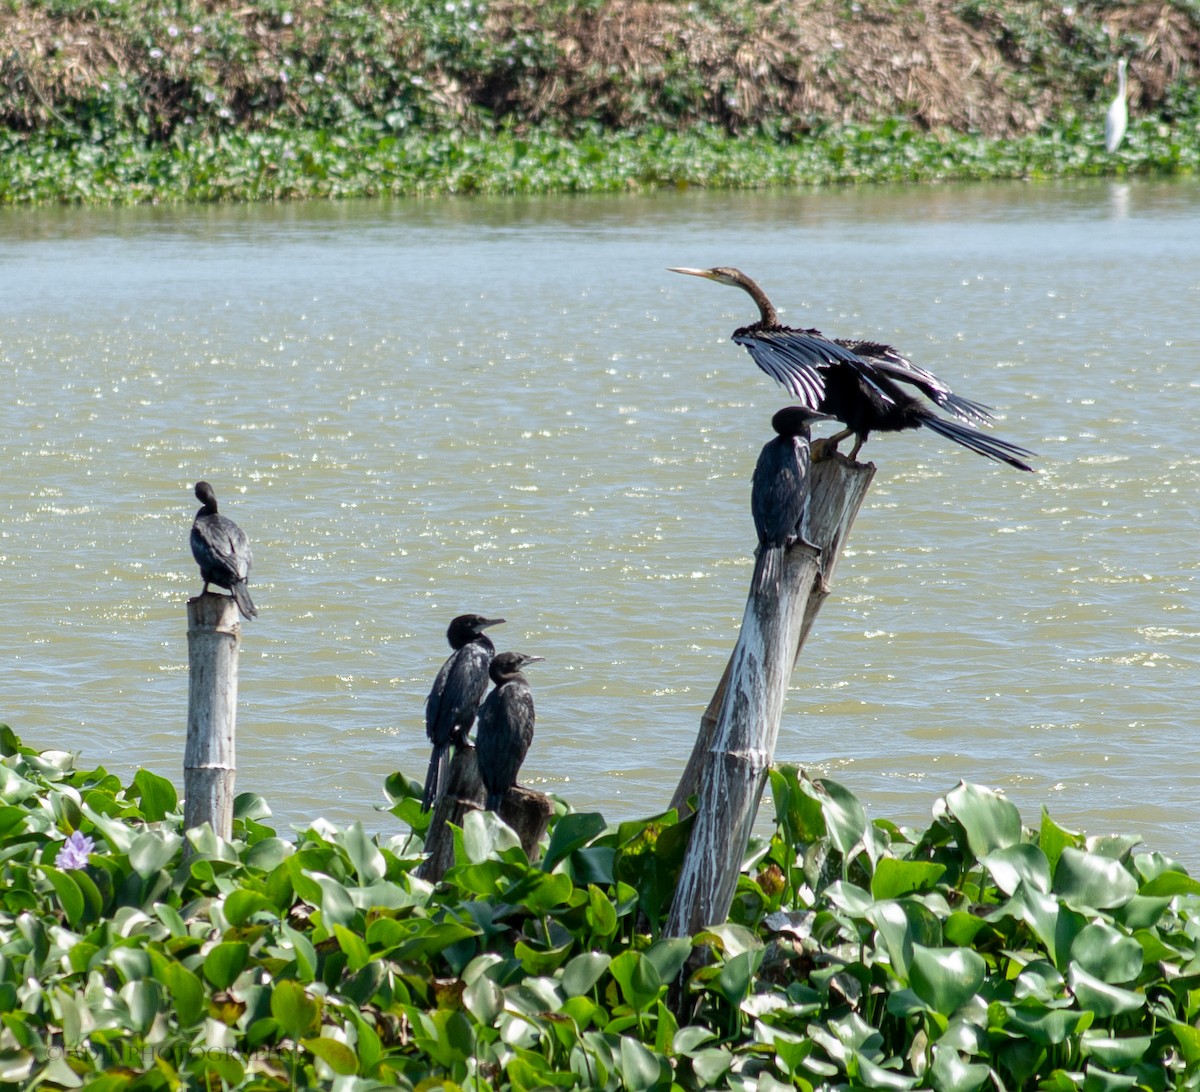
(766, 308)
(209, 509)
(1121, 80)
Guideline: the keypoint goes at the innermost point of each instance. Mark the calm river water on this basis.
(420, 409)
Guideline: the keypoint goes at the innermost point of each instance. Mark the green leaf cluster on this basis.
(974, 954)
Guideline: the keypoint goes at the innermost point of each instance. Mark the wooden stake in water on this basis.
(736, 745)
(209, 766)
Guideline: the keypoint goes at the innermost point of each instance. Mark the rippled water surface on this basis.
(419, 409)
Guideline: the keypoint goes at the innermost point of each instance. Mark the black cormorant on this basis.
(505, 726)
(779, 497)
(454, 700)
(860, 387)
(222, 551)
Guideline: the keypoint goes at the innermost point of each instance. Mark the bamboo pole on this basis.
(209, 764)
(735, 747)
(526, 811)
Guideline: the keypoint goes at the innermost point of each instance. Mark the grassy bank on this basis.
(127, 101)
(975, 954)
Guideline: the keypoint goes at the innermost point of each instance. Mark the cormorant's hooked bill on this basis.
(222, 551)
(457, 691)
(505, 726)
(857, 381)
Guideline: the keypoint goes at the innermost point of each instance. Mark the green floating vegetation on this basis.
(244, 166)
(975, 954)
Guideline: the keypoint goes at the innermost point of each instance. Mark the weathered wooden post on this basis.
(209, 765)
(736, 744)
(526, 811)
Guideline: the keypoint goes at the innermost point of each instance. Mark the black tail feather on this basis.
(435, 776)
(245, 604)
(980, 442)
(767, 566)
(494, 800)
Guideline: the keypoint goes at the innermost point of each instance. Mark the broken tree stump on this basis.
(527, 812)
(735, 747)
(209, 763)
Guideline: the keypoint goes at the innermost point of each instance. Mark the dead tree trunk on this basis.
(209, 765)
(736, 744)
(526, 811)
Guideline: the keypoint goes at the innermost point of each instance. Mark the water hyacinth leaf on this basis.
(267, 854)
(364, 854)
(70, 898)
(358, 955)
(945, 978)
(1170, 884)
(186, 990)
(1101, 998)
(219, 1064)
(1046, 1027)
(1107, 953)
(641, 1068)
(541, 961)
(901, 925)
(894, 878)
(153, 850)
(872, 1075)
(1053, 839)
(638, 979)
(1100, 1080)
(845, 817)
(484, 1000)
(949, 1073)
(668, 956)
(337, 907)
(296, 1012)
(737, 976)
(688, 1040)
(157, 795)
(485, 834)
(573, 831)
(601, 914)
(731, 939)
(583, 972)
(1014, 865)
(711, 1065)
(989, 821)
(1114, 1052)
(1091, 881)
(144, 1001)
(335, 1054)
(225, 962)
(1054, 924)
(1041, 980)
(242, 903)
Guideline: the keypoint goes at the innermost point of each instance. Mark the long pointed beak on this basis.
(690, 272)
(535, 659)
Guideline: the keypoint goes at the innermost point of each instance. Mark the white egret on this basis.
(1118, 113)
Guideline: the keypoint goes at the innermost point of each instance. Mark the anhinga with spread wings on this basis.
(857, 382)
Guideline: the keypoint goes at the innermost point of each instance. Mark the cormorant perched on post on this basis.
(222, 551)
(505, 726)
(859, 387)
(779, 497)
(454, 700)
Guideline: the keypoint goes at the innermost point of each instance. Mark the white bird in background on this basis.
(1118, 113)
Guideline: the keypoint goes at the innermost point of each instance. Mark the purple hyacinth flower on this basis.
(74, 853)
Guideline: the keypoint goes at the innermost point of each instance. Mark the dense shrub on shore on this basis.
(974, 954)
(119, 100)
